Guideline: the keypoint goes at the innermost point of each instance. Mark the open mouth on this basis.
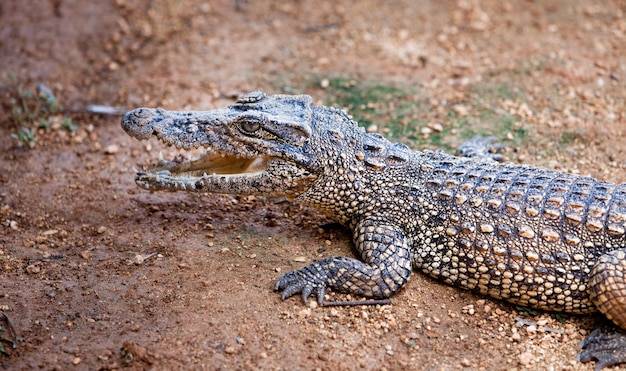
(186, 165)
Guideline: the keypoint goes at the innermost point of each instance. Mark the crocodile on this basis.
(527, 235)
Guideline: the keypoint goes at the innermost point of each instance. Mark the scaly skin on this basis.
(527, 235)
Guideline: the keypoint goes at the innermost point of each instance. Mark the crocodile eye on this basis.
(250, 127)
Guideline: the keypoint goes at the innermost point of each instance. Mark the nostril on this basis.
(138, 123)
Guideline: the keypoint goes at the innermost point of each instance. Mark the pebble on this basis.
(300, 259)
(138, 259)
(304, 313)
(460, 110)
(437, 127)
(372, 129)
(526, 358)
(111, 149)
(76, 360)
(229, 350)
(101, 229)
(466, 362)
(389, 350)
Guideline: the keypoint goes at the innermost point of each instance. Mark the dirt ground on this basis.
(96, 273)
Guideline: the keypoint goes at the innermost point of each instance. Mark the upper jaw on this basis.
(181, 129)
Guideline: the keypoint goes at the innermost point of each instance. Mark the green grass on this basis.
(391, 108)
(402, 112)
(31, 110)
(568, 137)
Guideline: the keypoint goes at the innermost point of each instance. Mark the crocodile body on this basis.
(527, 235)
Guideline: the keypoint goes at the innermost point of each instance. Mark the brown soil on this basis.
(98, 274)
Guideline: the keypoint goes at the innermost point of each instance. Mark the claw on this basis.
(606, 345)
(301, 282)
(320, 295)
(306, 291)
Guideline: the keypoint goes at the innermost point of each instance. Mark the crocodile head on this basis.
(256, 146)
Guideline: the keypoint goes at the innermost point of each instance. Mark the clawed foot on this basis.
(301, 281)
(482, 147)
(606, 345)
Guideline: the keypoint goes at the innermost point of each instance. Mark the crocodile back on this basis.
(524, 234)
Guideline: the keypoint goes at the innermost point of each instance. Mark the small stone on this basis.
(304, 313)
(437, 127)
(300, 259)
(325, 83)
(33, 269)
(516, 337)
(111, 149)
(372, 129)
(469, 309)
(334, 312)
(263, 355)
(101, 229)
(138, 259)
(526, 358)
(531, 329)
(313, 304)
(466, 362)
(76, 360)
(229, 350)
(389, 350)
(460, 110)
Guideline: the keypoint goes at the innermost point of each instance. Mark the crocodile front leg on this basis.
(385, 268)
